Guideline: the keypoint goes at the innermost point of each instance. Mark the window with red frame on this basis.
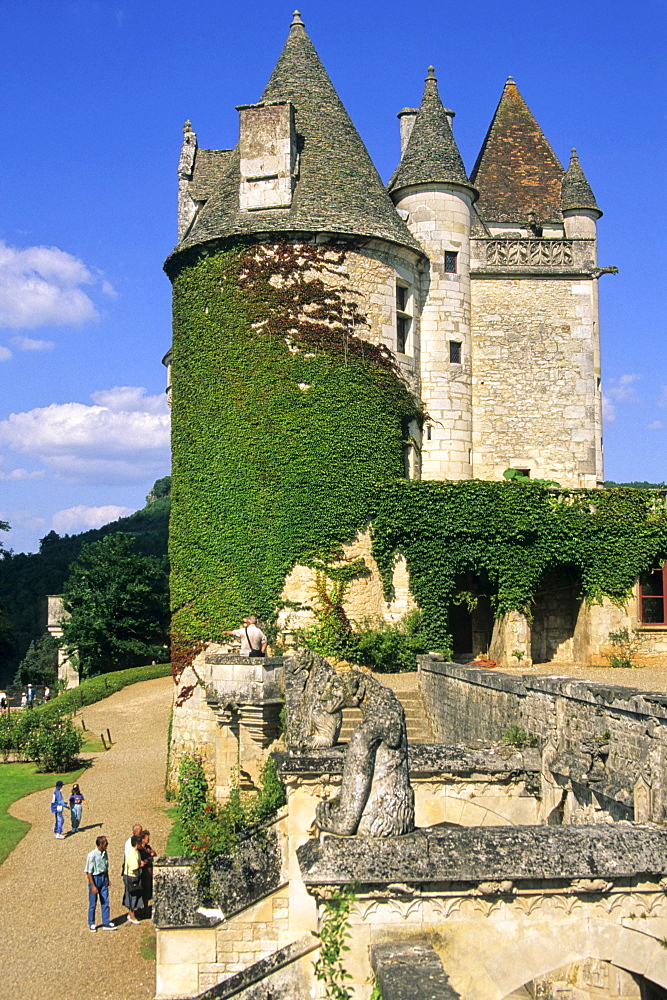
(653, 597)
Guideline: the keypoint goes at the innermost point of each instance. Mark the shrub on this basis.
(516, 736)
(210, 829)
(626, 644)
(389, 647)
(55, 744)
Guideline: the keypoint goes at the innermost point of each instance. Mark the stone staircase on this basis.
(405, 688)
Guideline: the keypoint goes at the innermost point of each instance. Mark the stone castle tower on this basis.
(332, 335)
(483, 287)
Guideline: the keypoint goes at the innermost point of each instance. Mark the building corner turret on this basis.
(432, 192)
(578, 204)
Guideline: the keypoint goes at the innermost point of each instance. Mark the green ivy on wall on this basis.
(284, 423)
(512, 534)
(288, 431)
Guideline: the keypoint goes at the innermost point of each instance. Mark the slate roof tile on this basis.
(431, 154)
(576, 191)
(338, 189)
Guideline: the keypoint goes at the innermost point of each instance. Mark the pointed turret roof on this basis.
(517, 171)
(337, 190)
(576, 191)
(431, 154)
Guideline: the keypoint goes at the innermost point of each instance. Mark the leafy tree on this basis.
(40, 664)
(26, 578)
(117, 605)
(161, 488)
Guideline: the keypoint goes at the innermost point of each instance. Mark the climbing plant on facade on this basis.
(284, 422)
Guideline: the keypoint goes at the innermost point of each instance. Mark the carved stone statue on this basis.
(310, 723)
(376, 798)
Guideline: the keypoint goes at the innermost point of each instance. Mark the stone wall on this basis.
(536, 375)
(226, 710)
(364, 598)
(502, 907)
(604, 747)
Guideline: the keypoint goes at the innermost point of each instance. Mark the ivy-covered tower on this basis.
(290, 400)
(332, 335)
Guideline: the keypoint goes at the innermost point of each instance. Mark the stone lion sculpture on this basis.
(310, 723)
(376, 798)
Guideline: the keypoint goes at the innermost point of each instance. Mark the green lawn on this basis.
(16, 781)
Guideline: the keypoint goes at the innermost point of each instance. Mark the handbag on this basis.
(253, 652)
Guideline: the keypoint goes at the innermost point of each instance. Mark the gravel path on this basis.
(652, 678)
(47, 949)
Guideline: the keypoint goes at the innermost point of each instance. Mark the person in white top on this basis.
(253, 640)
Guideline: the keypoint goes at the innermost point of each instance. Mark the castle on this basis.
(483, 286)
(332, 336)
(353, 370)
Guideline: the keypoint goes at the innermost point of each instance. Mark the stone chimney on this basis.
(406, 119)
(268, 156)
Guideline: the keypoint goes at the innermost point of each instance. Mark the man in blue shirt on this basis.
(97, 873)
(57, 805)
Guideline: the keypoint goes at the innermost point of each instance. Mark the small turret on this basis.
(432, 191)
(430, 154)
(580, 209)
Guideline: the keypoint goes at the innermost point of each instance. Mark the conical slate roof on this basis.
(338, 189)
(431, 154)
(576, 191)
(517, 171)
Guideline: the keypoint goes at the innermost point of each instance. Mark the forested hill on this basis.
(27, 579)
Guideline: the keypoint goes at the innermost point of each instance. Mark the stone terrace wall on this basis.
(602, 741)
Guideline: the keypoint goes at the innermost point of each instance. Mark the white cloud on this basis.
(655, 425)
(5, 354)
(30, 344)
(20, 475)
(621, 390)
(123, 437)
(130, 399)
(663, 397)
(42, 285)
(608, 409)
(82, 518)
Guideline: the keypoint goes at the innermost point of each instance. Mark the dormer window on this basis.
(403, 318)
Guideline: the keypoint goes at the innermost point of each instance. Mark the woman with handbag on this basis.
(132, 864)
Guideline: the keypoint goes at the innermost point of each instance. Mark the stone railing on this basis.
(531, 253)
(605, 743)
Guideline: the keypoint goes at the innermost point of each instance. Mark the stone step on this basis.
(418, 728)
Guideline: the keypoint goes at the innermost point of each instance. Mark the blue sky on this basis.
(94, 96)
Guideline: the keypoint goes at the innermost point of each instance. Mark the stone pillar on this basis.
(510, 633)
(54, 615)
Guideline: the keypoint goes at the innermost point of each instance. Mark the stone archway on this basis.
(590, 979)
(578, 940)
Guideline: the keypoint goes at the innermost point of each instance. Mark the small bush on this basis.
(210, 829)
(55, 745)
(516, 736)
(388, 647)
(626, 644)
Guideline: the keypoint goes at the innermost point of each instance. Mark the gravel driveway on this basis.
(47, 949)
